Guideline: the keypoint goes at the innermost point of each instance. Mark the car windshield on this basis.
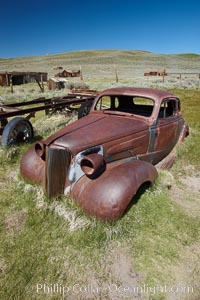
(136, 105)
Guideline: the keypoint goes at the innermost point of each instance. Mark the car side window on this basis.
(107, 103)
(104, 103)
(143, 106)
(169, 108)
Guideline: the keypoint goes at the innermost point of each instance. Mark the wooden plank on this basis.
(5, 108)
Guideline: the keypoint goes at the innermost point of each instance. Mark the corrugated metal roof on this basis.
(58, 79)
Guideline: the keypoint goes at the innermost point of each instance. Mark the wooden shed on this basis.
(57, 83)
(18, 78)
(155, 72)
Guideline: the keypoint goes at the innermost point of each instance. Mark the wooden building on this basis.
(17, 78)
(57, 83)
(69, 73)
(155, 72)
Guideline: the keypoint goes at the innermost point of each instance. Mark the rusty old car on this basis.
(102, 159)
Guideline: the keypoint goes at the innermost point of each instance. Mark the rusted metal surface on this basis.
(31, 159)
(84, 92)
(42, 104)
(167, 162)
(57, 162)
(108, 196)
(108, 154)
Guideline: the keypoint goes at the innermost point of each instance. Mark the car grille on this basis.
(57, 164)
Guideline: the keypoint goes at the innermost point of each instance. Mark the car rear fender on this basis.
(108, 195)
(184, 133)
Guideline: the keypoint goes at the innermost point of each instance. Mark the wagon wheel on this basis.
(84, 109)
(18, 130)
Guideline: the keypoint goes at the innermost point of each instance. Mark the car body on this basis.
(102, 159)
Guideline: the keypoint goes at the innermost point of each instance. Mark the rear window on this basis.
(129, 104)
(169, 108)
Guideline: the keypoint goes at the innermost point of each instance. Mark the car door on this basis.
(167, 127)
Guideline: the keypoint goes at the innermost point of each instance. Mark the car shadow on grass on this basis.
(142, 189)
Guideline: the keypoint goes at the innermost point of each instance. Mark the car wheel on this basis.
(18, 130)
(84, 109)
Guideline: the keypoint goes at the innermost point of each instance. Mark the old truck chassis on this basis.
(19, 129)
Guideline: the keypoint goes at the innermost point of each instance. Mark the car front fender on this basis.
(108, 195)
(32, 167)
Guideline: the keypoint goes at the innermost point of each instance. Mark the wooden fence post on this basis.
(7, 81)
(38, 82)
(81, 75)
(42, 83)
(116, 74)
(11, 84)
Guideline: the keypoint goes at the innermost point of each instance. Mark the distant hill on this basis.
(101, 62)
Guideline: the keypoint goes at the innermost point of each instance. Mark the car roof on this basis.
(157, 95)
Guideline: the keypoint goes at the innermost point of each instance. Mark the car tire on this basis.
(18, 130)
(84, 109)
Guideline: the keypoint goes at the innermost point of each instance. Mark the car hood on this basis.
(95, 129)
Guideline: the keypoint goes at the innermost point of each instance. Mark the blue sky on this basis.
(50, 27)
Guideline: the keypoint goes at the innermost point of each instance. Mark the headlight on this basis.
(40, 149)
(91, 163)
